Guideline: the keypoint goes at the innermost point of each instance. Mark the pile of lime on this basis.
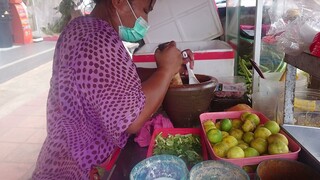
(245, 137)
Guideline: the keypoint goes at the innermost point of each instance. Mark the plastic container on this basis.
(218, 169)
(272, 82)
(270, 91)
(160, 167)
(294, 148)
(174, 131)
(223, 100)
(306, 108)
(230, 87)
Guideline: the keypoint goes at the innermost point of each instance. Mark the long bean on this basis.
(244, 68)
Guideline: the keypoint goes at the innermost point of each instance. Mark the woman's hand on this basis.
(169, 61)
(169, 58)
(190, 59)
(156, 81)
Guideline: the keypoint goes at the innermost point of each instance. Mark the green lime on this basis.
(251, 152)
(220, 149)
(253, 117)
(273, 126)
(237, 133)
(226, 125)
(236, 123)
(248, 137)
(235, 152)
(208, 125)
(214, 135)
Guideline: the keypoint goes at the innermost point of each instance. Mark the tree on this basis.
(65, 8)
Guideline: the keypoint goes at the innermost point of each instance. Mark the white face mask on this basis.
(136, 33)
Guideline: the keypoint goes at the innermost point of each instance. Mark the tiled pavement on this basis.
(23, 121)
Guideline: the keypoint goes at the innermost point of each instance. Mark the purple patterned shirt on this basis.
(95, 95)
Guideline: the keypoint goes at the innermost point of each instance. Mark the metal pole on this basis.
(257, 42)
(290, 85)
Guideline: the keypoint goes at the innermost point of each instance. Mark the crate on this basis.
(294, 148)
(181, 131)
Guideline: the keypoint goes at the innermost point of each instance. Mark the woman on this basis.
(96, 99)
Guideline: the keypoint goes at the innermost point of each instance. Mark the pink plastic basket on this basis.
(294, 148)
(181, 131)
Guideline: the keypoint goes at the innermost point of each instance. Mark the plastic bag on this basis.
(290, 41)
(294, 25)
(315, 45)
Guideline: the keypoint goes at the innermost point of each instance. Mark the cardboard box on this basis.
(193, 25)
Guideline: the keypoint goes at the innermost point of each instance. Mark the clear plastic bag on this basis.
(294, 25)
(290, 41)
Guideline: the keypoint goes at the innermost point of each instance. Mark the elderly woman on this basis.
(96, 99)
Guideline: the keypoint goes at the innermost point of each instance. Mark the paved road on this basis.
(19, 59)
(23, 88)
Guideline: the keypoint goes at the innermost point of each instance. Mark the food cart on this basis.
(133, 153)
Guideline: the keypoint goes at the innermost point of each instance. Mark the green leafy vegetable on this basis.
(187, 147)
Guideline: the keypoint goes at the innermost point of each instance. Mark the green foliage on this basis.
(271, 59)
(65, 8)
(245, 67)
(245, 70)
(187, 147)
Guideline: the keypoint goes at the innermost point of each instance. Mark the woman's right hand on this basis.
(169, 59)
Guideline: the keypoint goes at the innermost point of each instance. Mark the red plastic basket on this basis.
(181, 131)
(294, 148)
